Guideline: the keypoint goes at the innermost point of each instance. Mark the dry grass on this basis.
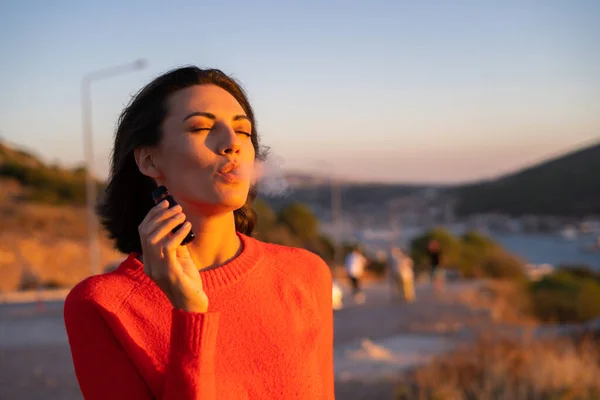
(510, 369)
(562, 297)
(45, 245)
(33, 219)
(507, 301)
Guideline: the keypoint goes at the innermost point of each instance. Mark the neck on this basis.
(216, 240)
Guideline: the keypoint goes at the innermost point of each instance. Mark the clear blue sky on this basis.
(440, 91)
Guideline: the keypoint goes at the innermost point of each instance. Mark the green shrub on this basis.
(266, 217)
(279, 234)
(450, 245)
(478, 240)
(580, 271)
(474, 248)
(300, 220)
(473, 255)
(45, 184)
(326, 247)
(49, 185)
(295, 226)
(565, 296)
(500, 264)
(588, 301)
(13, 170)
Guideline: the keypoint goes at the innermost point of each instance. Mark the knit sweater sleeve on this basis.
(105, 370)
(325, 339)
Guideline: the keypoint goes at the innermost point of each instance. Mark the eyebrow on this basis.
(212, 116)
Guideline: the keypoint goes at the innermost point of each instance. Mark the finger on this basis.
(162, 229)
(163, 215)
(158, 213)
(163, 205)
(170, 245)
(149, 225)
(154, 232)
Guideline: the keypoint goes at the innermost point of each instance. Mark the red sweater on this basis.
(268, 333)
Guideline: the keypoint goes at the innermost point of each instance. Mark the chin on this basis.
(232, 199)
(217, 199)
(232, 204)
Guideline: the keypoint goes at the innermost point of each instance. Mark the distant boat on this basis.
(536, 272)
(569, 233)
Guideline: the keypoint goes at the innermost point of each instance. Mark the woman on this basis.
(402, 273)
(223, 317)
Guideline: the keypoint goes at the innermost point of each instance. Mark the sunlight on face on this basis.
(206, 156)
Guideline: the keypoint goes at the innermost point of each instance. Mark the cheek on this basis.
(248, 151)
(185, 153)
(248, 159)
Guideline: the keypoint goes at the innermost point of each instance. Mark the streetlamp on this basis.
(88, 147)
(394, 222)
(336, 208)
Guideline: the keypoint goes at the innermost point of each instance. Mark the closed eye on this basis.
(200, 129)
(195, 130)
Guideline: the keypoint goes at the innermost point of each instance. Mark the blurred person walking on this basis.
(434, 252)
(402, 276)
(355, 264)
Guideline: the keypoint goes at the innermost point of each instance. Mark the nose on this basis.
(229, 143)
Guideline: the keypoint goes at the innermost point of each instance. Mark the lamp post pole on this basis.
(88, 147)
(336, 206)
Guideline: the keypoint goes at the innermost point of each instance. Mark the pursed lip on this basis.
(229, 168)
(230, 173)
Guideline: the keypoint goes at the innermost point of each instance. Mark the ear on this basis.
(146, 162)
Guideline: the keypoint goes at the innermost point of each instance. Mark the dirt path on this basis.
(379, 339)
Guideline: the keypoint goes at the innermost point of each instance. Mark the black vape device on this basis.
(161, 193)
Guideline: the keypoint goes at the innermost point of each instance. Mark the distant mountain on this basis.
(564, 186)
(365, 204)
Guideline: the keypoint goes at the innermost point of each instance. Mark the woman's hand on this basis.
(168, 263)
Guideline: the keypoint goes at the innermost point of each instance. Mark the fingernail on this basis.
(164, 203)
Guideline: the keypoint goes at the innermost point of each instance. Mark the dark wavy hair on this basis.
(128, 198)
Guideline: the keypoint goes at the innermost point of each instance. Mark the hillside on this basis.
(568, 186)
(43, 230)
(46, 245)
(40, 182)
